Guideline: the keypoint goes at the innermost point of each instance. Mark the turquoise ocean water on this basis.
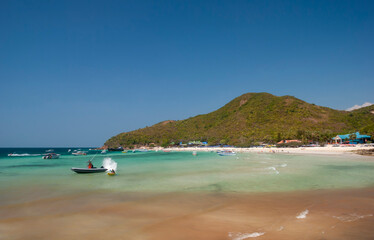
(180, 172)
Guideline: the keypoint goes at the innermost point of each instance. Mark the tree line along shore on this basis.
(251, 120)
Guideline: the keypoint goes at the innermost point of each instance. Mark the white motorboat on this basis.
(79, 153)
(51, 156)
(140, 150)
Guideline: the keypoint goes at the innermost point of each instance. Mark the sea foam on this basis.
(109, 164)
(351, 217)
(302, 214)
(273, 168)
(241, 236)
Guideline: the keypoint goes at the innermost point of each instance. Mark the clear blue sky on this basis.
(74, 73)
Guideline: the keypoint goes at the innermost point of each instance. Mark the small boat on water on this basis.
(50, 150)
(226, 153)
(119, 149)
(194, 153)
(22, 155)
(140, 150)
(51, 156)
(104, 151)
(79, 153)
(89, 170)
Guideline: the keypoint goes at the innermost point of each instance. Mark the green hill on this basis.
(251, 118)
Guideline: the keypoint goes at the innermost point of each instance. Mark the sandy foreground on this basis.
(303, 150)
(320, 214)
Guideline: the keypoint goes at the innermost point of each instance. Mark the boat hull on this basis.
(88, 170)
(51, 156)
(79, 154)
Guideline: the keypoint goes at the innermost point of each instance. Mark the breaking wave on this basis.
(280, 228)
(302, 214)
(274, 169)
(109, 164)
(240, 236)
(351, 217)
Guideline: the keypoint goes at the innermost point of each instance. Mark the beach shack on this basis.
(348, 138)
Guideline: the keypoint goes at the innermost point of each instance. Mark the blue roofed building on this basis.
(355, 139)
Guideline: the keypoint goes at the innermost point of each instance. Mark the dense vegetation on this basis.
(253, 118)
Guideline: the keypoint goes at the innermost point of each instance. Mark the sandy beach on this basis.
(338, 214)
(302, 150)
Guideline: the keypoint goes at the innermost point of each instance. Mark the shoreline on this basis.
(303, 150)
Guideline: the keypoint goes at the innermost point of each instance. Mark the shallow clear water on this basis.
(181, 171)
(168, 193)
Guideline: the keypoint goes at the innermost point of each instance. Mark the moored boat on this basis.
(140, 150)
(51, 156)
(119, 149)
(79, 153)
(22, 155)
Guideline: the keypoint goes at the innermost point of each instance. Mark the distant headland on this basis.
(252, 119)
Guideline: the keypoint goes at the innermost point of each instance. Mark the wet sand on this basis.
(329, 214)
